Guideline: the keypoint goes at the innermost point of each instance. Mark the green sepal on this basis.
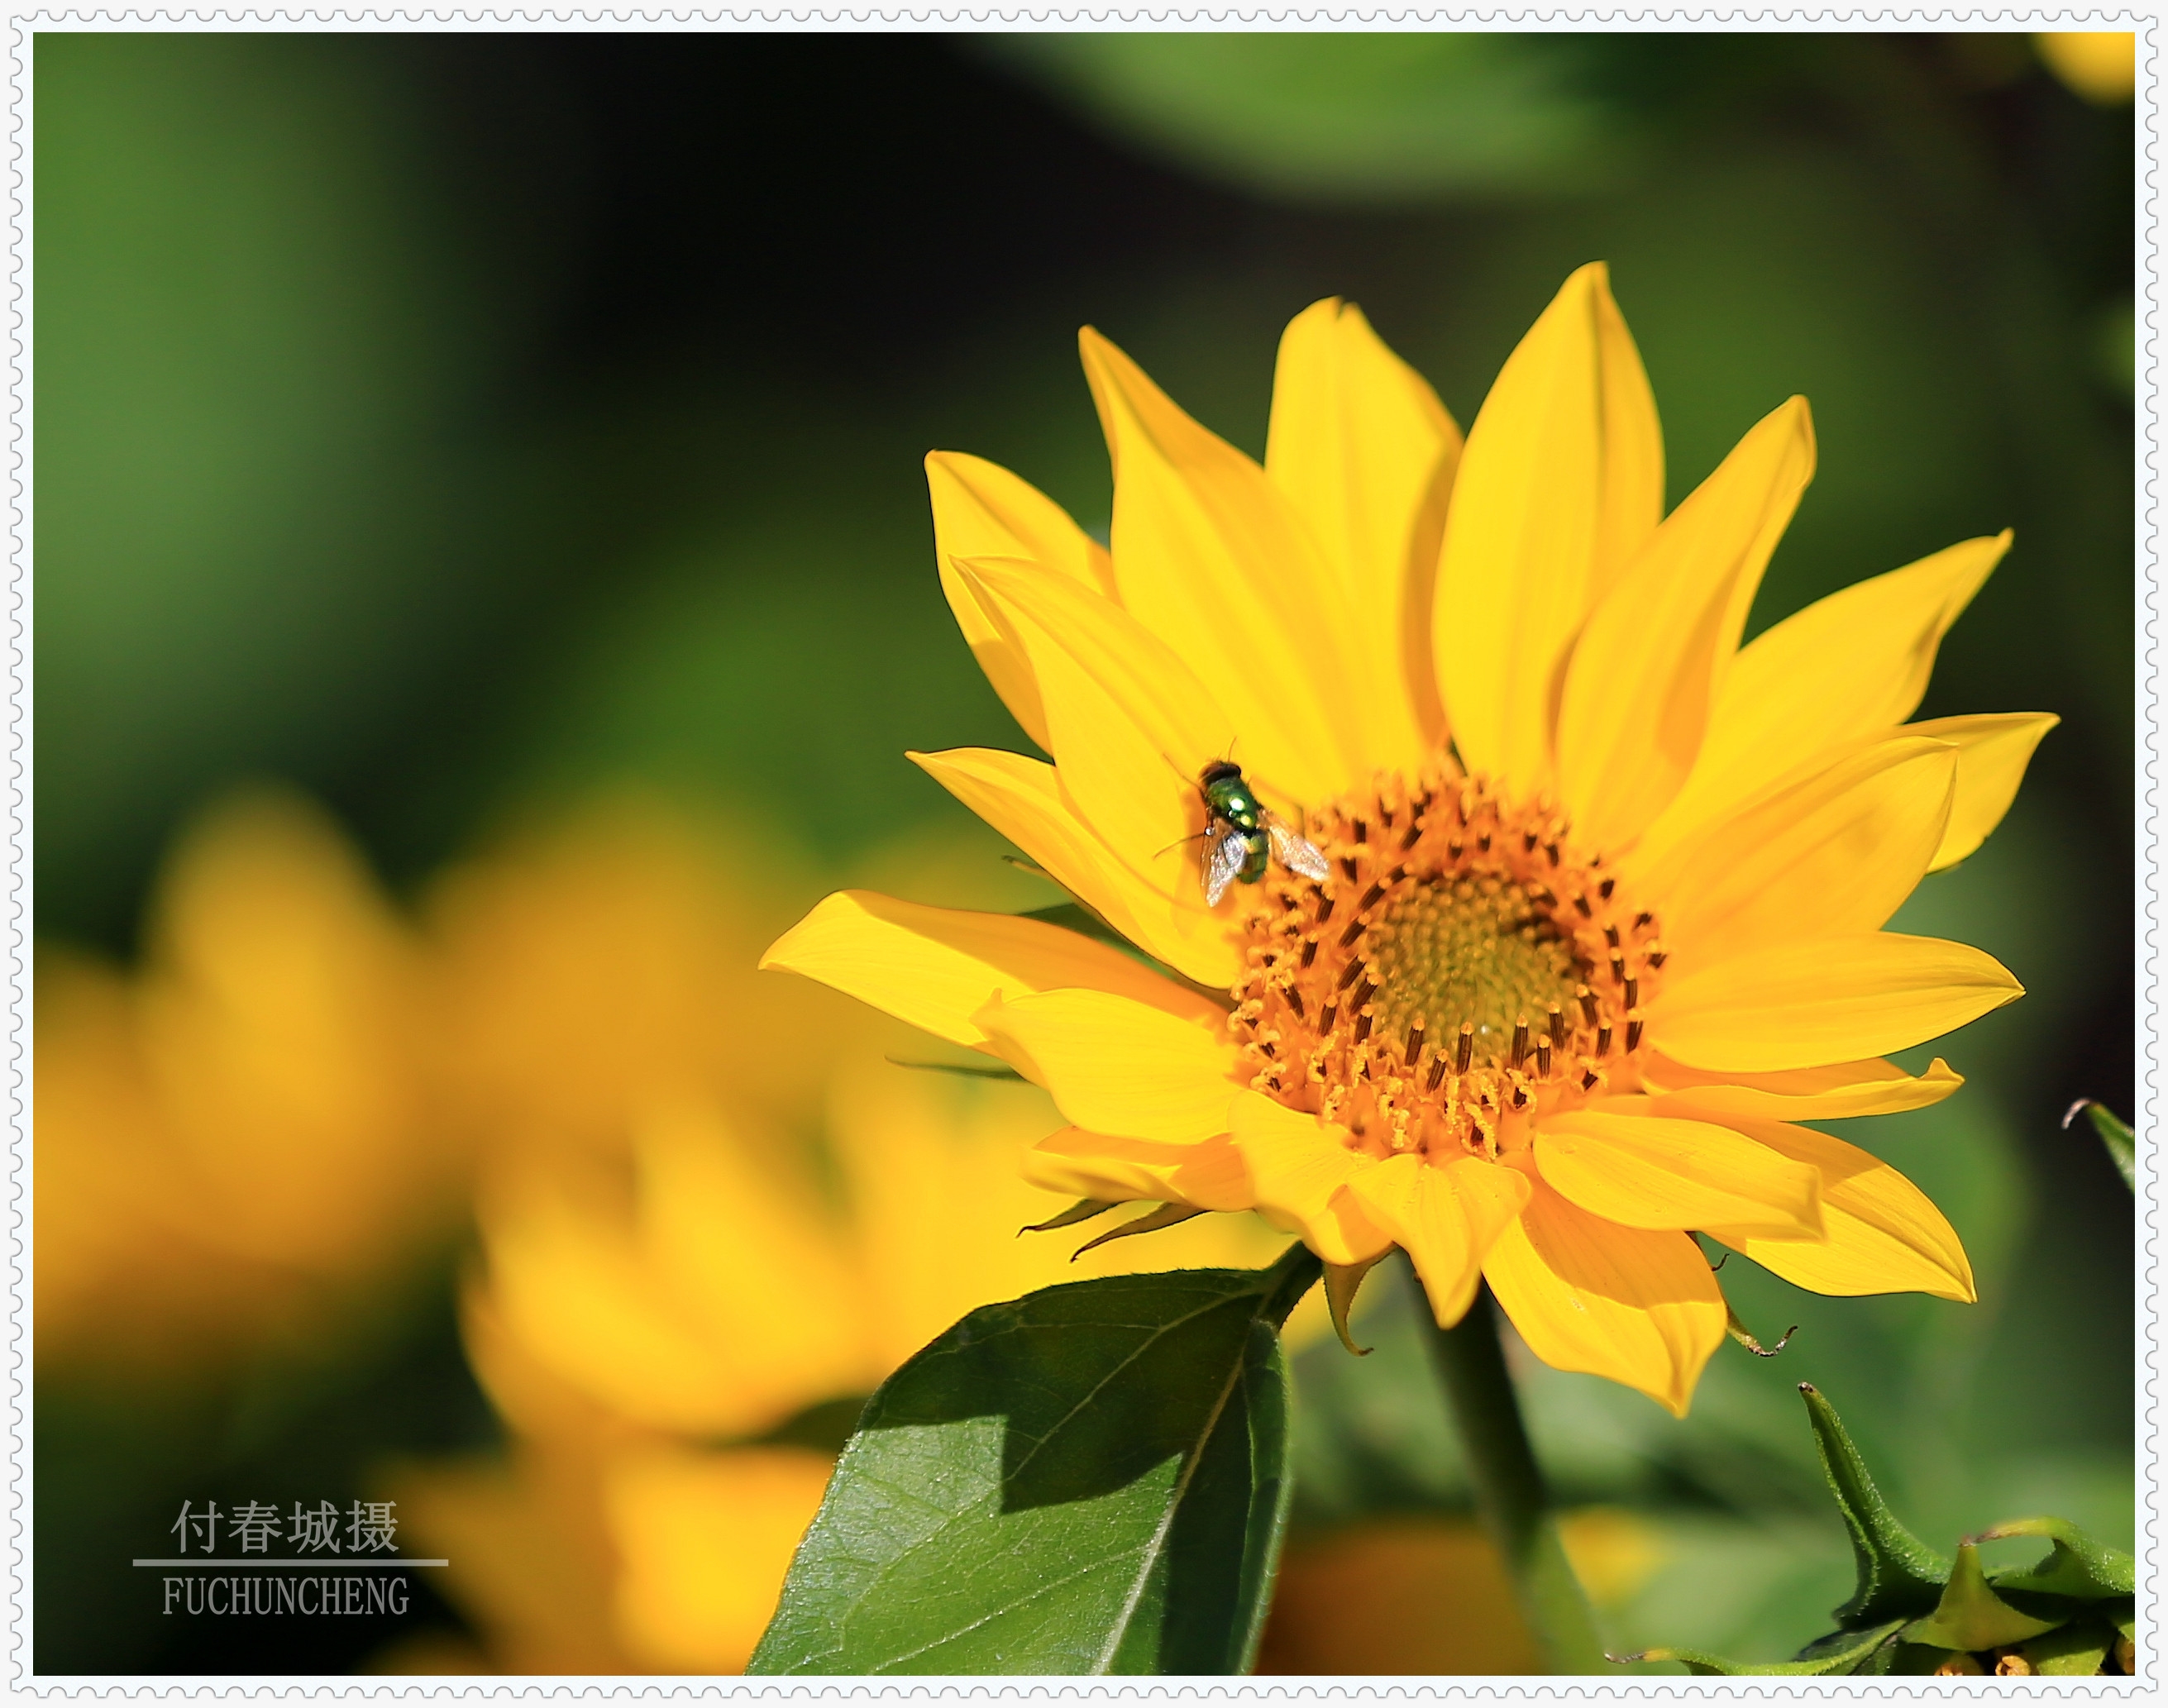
(1883, 1660)
(1342, 1281)
(2074, 1651)
(1738, 1331)
(1971, 1616)
(2122, 1143)
(1917, 1660)
(1297, 1269)
(1164, 1216)
(967, 1071)
(1848, 1643)
(2079, 1566)
(1083, 1210)
(1841, 1652)
(1900, 1576)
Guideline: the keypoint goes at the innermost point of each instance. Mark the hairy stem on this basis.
(1509, 1487)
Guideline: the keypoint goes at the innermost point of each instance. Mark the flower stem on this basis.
(1509, 1486)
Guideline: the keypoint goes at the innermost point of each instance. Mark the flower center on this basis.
(1465, 965)
(1474, 948)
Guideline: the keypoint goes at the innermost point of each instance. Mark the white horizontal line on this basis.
(329, 1560)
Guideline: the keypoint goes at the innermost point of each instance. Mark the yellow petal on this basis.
(1208, 556)
(1146, 677)
(704, 1541)
(282, 1027)
(1993, 750)
(533, 1578)
(1300, 1171)
(937, 966)
(1416, 1206)
(1561, 484)
(930, 1165)
(1832, 999)
(652, 1315)
(982, 510)
(1883, 1234)
(1210, 1174)
(1644, 1170)
(1491, 1196)
(1640, 1308)
(1022, 799)
(1833, 1093)
(1116, 778)
(1849, 665)
(1364, 453)
(1130, 725)
(1834, 851)
(1445, 1217)
(716, 1207)
(1119, 1066)
(1646, 669)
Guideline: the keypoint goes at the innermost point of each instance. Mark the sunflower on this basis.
(1600, 920)
(239, 1139)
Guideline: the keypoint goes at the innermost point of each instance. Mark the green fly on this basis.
(1242, 834)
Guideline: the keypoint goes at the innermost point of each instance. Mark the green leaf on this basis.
(1898, 1574)
(2078, 1567)
(1092, 1478)
(2075, 1650)
(1972, 1616)
(1841, 1652)
(2121, 1141)
(1378, 120)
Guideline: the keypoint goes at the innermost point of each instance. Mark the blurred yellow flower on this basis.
(1577, 911)
(233, 1138)
(595, 963)
(707, 1207)
(2101, 65)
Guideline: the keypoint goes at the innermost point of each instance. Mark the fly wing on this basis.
(1295, 850)
(1225, 850)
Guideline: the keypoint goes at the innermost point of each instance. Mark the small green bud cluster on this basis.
(1915, 1612)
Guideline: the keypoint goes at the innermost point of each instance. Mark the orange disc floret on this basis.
(1466, 967)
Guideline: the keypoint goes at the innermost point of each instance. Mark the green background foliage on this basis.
(449, 425)
(1912, 1609)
